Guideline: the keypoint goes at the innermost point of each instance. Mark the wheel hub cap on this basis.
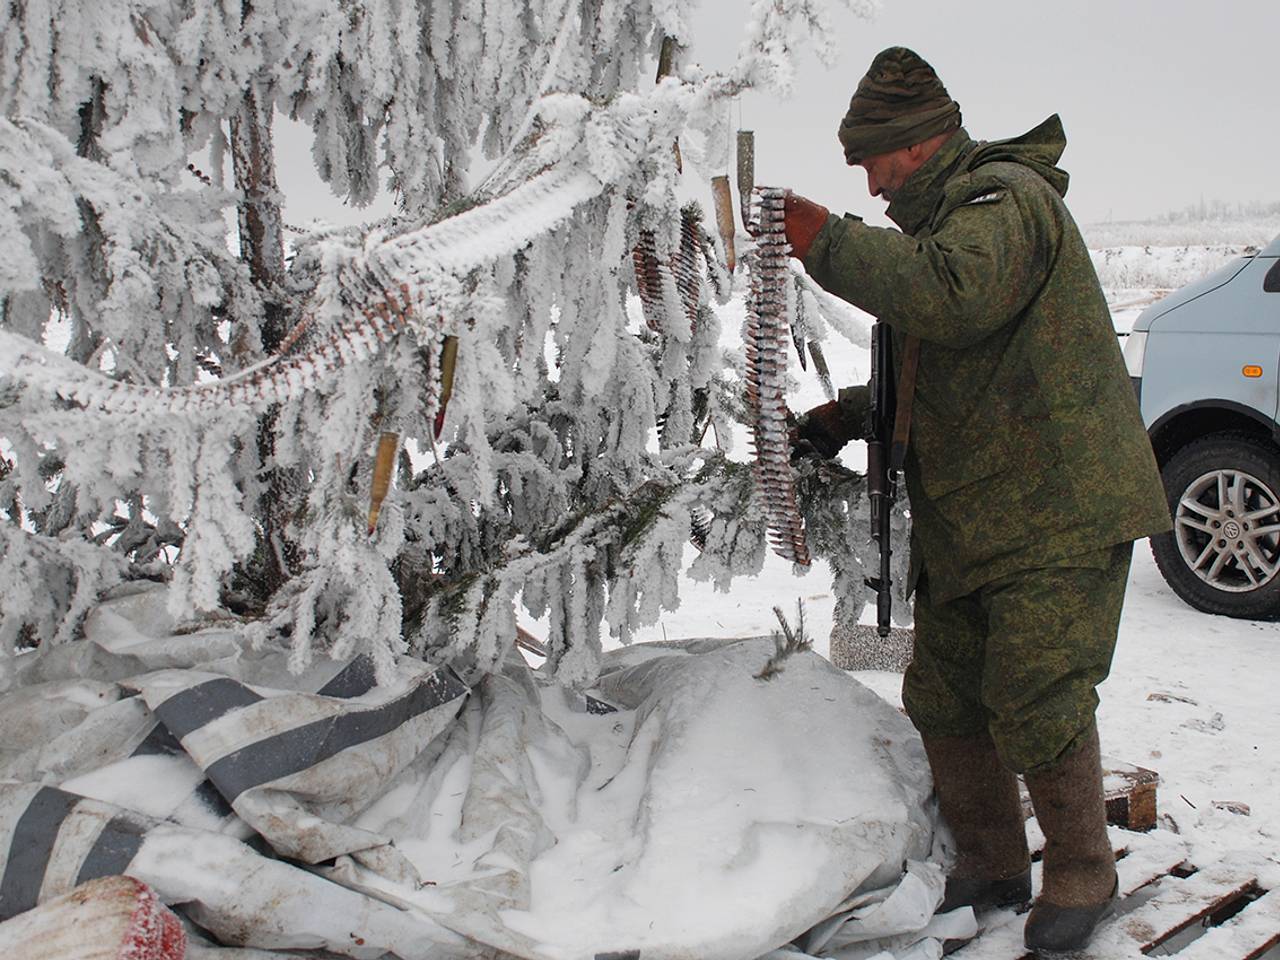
(1227, 526)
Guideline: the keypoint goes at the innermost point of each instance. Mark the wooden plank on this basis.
(1180, 903)
(1249, 934)
(1142, 858)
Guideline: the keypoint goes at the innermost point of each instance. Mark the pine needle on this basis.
(787, 642)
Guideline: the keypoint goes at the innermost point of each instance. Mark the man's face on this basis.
(887, 172)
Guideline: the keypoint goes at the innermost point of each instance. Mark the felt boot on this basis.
(978, 798)
(1080, 883)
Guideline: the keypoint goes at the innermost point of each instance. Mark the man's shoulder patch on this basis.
(991, 196)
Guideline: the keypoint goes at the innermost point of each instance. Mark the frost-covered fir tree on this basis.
(223, 414)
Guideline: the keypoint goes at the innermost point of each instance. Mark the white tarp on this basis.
(685, 809)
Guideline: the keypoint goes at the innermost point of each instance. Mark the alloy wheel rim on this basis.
(1227, 527)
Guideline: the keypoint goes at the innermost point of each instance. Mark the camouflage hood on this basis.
(1039, 149)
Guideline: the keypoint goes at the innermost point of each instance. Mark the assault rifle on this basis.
(888, 427)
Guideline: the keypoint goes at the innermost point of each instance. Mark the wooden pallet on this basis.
(1163, 898)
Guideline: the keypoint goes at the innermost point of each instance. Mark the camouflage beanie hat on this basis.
(898, 103)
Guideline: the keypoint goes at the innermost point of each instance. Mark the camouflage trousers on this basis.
(1019, 657)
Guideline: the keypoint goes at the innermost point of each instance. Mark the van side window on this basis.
(1271, 282)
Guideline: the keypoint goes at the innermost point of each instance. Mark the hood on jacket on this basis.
(1039, 148)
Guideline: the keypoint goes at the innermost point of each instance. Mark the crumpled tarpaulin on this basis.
(685, 809)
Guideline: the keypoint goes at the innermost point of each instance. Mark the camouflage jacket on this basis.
(1027, 448)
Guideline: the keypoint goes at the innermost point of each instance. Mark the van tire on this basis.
(1232, 566)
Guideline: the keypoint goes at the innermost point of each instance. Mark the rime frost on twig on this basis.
(849, 322)
(776, 27)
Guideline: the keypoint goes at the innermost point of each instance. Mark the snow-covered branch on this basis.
(146, 414)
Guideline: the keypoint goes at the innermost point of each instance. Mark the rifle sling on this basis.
(906, 394)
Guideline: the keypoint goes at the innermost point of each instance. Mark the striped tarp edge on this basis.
(33, 837)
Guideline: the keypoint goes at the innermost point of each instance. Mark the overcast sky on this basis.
(1164, 103)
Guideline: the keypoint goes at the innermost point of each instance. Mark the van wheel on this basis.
(1223, 554)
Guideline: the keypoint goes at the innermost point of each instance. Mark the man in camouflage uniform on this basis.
(1028, 470)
